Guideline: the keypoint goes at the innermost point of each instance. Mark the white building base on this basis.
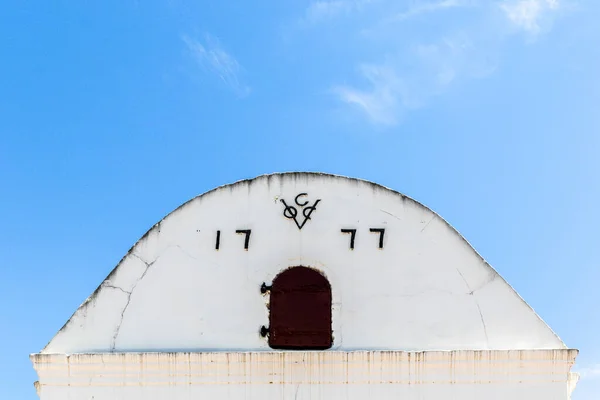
(329, 375)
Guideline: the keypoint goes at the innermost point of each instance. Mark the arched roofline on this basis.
(249, 182)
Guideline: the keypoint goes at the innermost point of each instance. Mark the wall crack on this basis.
(117, 288)
(390, 214)
(427, 224)
(484, 284)
(129, 294)
(471, 292)
(487, 340)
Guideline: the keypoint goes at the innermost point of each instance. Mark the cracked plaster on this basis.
(428, 289)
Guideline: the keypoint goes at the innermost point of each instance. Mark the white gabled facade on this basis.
(416, 313)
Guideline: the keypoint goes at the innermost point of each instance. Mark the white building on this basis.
(304, 286)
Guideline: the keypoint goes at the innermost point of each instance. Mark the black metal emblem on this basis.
(291, 212)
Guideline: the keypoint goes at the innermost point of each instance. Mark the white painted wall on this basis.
(468, 375)
(426, 290)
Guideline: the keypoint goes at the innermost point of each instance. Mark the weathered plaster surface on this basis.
(515, 375)
(426, 290)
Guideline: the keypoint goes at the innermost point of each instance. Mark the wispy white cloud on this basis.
(527, 14)
(428, 7)
(392, 88)
(211, 57)
(383, 100)
(401, 71)
(321, 10)
(592, 372)
(326, 10)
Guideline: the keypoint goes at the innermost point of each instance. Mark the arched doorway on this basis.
(300, 310)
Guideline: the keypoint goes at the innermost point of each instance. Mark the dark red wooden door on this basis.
(300, 310)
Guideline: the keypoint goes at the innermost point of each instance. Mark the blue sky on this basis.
(113, 113)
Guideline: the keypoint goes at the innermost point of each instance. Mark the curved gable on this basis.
(401, 277)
